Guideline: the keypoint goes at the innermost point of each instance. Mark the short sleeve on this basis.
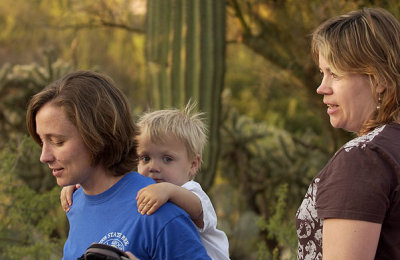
(209, 215)
(355, 185)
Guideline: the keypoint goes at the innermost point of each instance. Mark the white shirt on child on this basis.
(214, 240)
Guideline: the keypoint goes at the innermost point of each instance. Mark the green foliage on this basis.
(17, 84)
(106, 34)
(257, 159)
(32, 224)
(279, 227)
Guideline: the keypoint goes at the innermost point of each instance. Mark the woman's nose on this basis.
(324, 88)
(47, 155)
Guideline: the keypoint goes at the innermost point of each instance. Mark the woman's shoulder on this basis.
(366, 156)
(382, 139)
(363, 141)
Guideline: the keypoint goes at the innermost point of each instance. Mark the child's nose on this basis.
(154, 166)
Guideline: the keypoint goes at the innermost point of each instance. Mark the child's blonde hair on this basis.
(184, 124)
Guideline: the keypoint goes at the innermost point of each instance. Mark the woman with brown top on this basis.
(352, 207)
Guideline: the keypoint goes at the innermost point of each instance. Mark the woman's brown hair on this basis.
(101, 113)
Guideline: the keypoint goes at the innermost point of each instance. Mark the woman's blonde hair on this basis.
(367, 42)
(101, 113)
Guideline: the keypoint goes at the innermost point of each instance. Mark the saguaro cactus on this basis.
(185, 52)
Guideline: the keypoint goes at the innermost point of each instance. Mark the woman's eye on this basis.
(330, 73)
(58, 142)
(321, 73)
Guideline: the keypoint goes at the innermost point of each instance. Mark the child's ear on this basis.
(195, 165)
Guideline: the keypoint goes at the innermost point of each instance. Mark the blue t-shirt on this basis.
(112, 218)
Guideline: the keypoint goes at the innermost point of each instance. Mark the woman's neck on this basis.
(99, 181)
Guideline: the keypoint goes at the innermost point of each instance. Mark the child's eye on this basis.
(144, 158)
(167, 159)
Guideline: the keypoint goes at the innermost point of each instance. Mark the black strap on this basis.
(103, 252)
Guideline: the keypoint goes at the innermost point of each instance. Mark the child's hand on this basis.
(152, 197)
(66, 196)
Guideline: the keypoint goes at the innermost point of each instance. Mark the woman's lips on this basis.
(332, 109)
(57, 172)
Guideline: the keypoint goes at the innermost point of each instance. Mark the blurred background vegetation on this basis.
(246, 63)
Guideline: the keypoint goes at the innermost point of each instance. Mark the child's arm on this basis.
(66, 196)
(150, 198)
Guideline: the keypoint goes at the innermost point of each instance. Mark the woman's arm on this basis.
(349, 239)
(150, 198)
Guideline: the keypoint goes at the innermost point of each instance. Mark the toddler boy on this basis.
(170, 146)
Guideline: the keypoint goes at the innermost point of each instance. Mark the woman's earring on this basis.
(379, 101)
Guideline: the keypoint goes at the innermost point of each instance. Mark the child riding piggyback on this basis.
(170, 147)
